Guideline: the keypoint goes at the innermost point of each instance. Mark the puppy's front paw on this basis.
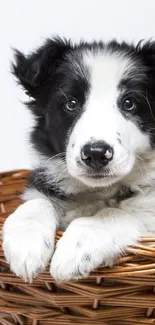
(78, 252)
(28, 239)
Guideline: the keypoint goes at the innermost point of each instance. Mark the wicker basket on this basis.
(121, 295)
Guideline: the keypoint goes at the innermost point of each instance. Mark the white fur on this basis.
(31, 194)
(28, 237)
(98, 240)
(90, 242)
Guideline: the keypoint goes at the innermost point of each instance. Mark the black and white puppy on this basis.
(94, 134)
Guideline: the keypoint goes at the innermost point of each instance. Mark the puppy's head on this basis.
(94, 103)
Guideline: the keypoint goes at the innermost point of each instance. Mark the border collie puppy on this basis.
(94, 134)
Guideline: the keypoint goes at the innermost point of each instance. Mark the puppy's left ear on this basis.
(34, 70)
(147, 52)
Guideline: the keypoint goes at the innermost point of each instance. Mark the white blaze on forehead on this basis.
(106, 69)
(101, 118)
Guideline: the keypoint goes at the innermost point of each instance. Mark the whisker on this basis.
(63, 92)
(59, 155)
(142, 164)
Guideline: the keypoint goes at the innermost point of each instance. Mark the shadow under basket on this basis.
(123, 295)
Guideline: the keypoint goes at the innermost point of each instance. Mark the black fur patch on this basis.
(124, 194)
(38, 181)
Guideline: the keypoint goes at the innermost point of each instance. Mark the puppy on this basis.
(94, 135)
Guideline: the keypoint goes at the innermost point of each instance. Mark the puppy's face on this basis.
(95, 105)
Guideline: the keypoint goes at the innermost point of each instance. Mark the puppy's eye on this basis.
(129, 105)
(71, 105)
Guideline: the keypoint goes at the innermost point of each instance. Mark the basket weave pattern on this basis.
(121, 295)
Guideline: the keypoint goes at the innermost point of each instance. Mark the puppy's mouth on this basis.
(98, 179)
(99, 176)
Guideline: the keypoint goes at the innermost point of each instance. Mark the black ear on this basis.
(146, 50)
(33, 71)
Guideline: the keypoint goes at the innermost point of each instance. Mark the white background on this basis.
(26, 23)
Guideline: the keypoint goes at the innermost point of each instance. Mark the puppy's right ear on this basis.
(34, 70)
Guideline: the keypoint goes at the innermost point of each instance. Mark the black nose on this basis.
(97, 154)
